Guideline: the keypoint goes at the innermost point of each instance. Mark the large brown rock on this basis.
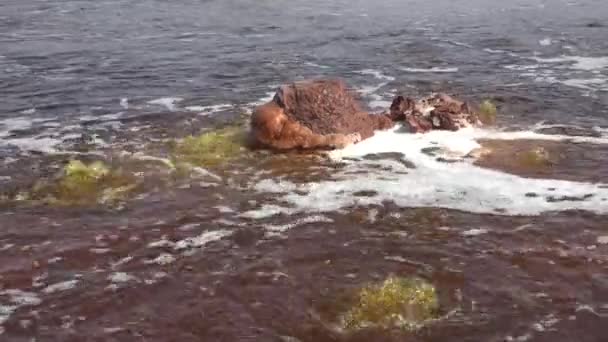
(314, 114)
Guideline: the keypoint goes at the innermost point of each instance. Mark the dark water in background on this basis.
(105, 76)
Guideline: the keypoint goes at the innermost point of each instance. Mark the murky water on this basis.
(264, 247)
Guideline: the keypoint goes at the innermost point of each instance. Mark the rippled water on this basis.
(263, 247)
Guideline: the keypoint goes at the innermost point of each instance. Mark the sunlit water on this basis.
(263, 247)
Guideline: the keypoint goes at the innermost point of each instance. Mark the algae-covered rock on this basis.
(487, 112)
(535, 158)
(210, 148)
(84, 184)
(405, 303)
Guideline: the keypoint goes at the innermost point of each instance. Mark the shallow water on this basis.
(264, 247)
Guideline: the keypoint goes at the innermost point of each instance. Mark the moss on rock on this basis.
(535, 158)
(84, 184)
(405, 303)
(210, 148)
(487, 112)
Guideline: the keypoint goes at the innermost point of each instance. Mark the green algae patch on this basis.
(406, 303)
(487, 112)
(210, 148)
(85, 184)
(536, 158)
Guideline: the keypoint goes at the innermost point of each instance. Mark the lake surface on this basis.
(263, 247)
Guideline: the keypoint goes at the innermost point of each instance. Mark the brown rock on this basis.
(439, 111)
(314, 114)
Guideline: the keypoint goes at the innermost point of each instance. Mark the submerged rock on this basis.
(210, 148)
(314, 115)
(405, 303)
(487, 112)
(84, 184)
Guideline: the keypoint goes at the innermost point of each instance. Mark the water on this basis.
(263, 248)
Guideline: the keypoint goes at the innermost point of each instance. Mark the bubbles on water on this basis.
(169, 103)
(162, 259)
(274, 229)
(202, 239)
(61, 286)
(433, 183)
(207, 110)
(121, 277)
(474, 232)
(13, 299)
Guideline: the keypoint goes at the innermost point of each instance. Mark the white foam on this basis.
(316, 65)
(121, 277)
(586, 83)
(28, 111)
(35, 144)
(161, 243)
(370, 90)
(578, 62)
(275, 186)
(474, 232)
(269, 96)
(206, 110)
(6, 247)
(162, 259)
(121, 262)
(168, 102)
(224, 209)
(16, 298)
(202, 240)
(545, 42)
(62, 286)
(11, 124)
(377, 74)
(285, 227)
(266, 210)
(460, 185)
(430, 70)
(380, 104)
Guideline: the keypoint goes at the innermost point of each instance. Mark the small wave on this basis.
(168, 102)
(278, 229)
(28, 111)
(315, 65)
(377, 74)
(577, 62)
(62, 286)
(545, 42)
(202, 239)
(430, 70)
(206, 110)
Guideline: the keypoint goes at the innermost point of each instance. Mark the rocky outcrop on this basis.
(438, 111)
(326, 114)
(314, 115)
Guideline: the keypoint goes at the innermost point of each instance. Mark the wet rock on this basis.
(83, 184)
(405, 303)
(438, 111)
(313, 115)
